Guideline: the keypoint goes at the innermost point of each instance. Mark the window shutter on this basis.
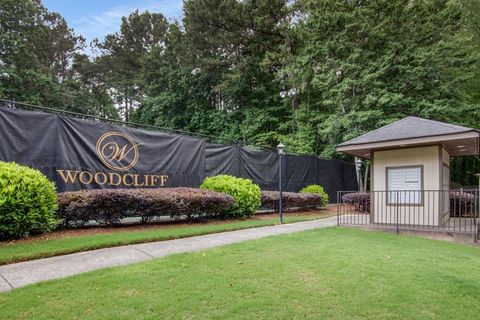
(396, 179)
(404, 179)
(412, 179)
(407, 180)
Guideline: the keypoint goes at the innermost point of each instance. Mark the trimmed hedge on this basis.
(244, 191)
(28, 201)
(109, 206)
(290, 199)
(360, 200)
(462, 204)
(317, 189)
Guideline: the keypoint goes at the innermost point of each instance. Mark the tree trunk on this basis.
(126, 105)
(359, 175)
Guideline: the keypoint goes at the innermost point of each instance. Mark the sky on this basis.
(97, 18)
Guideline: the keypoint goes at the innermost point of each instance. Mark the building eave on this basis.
(468, 138)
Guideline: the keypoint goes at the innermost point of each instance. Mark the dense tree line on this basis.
(311, 73)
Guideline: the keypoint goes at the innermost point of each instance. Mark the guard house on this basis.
(410, 173)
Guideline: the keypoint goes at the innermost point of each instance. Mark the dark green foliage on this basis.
(316, 189)
(309, 73)
(244, 191)
(314, 73)
(41, 62)
(123, 53)
(463, 170)
(366, 64)
(110, 206)
(270, 199)
(28, 202)
(214, 76)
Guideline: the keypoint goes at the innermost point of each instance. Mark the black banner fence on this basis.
(87, 154)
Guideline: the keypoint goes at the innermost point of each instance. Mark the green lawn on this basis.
(334, 273)
(21, 251)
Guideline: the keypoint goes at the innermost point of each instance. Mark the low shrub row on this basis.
(359, 200)
(29, 203)
(109, 206)
(462, 204)
(271, 199)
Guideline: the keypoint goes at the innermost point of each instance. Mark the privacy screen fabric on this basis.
(221, 159)
(80, 154)
(262, 168)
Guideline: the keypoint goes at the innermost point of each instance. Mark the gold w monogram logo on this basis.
(116, 153)
(114, 148)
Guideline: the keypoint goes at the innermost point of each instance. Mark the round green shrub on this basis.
(244, 191)
(315, 188)
(28, 201)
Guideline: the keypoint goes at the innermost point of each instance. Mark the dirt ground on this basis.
(91, 230)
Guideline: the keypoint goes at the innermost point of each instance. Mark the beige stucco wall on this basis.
(445, 201)
(425, 214)
(445, 157)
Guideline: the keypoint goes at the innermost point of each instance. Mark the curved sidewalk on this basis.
(24, 273)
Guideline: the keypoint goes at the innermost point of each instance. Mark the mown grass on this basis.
(42, 248)
(333, 273)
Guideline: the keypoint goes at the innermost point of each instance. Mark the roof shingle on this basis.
(407, 128)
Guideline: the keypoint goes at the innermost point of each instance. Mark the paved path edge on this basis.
(20, 274)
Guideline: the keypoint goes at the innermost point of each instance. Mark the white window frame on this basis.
(405, 196)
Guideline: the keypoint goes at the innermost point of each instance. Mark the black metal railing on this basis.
(445, 210)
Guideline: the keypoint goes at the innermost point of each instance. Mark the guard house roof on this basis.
(411, 132)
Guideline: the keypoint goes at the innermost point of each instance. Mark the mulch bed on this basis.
(92, 230)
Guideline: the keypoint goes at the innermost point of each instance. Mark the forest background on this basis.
(308, 73)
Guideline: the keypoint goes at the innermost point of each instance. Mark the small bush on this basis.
(244, 191)
(317, 189)
(359, 200)
(462, 203)
(28, 201)
(290, 199)
(109, 206)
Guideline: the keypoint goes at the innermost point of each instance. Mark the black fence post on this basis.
(476, 214)
(280, 189)
(338, 208)
(397, 211)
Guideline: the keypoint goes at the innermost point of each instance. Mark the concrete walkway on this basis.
(24, 273)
